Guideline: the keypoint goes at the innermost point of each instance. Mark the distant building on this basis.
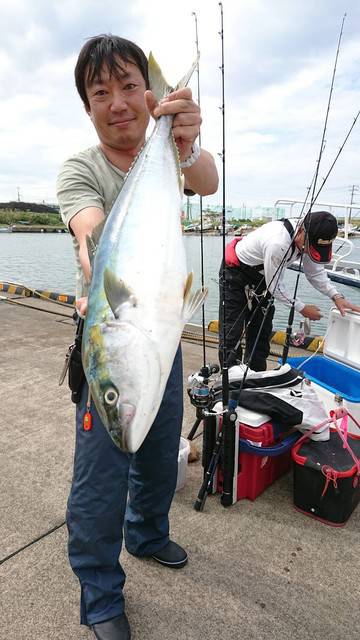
(192, 211)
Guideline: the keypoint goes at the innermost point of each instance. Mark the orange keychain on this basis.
(87, 421)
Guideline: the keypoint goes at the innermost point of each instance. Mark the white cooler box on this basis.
(336, 375)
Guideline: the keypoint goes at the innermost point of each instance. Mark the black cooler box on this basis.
(327, 478)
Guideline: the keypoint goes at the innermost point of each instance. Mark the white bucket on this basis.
(184, 450)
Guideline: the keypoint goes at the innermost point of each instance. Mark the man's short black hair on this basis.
(105, 50)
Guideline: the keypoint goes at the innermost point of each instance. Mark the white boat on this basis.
(350, 232)
(340, 270)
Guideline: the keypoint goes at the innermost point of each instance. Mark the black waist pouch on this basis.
(73, 365)
(76, 375)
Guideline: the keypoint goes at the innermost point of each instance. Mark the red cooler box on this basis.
(262, 454)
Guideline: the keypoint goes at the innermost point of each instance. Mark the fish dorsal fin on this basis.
(159, 85)
(117, 292)
(192, 301)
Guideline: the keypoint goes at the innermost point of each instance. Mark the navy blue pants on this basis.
(116, 494)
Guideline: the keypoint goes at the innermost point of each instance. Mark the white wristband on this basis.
(195, 155)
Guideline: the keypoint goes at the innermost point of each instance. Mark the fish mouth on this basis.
(121, 424)
(126, 412)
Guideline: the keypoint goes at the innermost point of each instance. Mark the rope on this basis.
(29, 544)
(21, 289)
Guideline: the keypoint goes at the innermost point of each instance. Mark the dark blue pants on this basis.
(112, 492)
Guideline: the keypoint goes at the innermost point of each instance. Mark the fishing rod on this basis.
(312, 200)
(324, 180)
(200, 197)
(227, 433)
(327, 113)
(225, 438)
(309, 188)
(198, 395)
(222, 155)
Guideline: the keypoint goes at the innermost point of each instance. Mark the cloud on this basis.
(279, 59)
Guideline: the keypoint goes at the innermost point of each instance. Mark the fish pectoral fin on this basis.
(192, 301)
(117, 292)
(188, 284)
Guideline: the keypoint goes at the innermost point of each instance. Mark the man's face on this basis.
(117, 107)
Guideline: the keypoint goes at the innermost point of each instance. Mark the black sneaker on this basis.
(114, 629)
(172, 555)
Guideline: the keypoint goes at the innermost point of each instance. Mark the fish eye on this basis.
(111, 396)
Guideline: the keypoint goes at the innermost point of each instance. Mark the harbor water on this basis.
(46, 261)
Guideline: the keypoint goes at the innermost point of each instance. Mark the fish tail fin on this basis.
(161, 88)
(159, 85)
(192, 301)
(185, 79)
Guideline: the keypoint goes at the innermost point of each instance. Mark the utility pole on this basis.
(354, 188)
(18, 192)
(188, 209)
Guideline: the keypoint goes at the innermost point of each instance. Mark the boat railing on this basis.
(338, 260)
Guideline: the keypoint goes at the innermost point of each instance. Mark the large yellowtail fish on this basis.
(140, 294)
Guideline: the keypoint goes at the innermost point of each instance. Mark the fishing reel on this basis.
(198, 389)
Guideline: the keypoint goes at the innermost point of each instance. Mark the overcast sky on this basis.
(279, 58)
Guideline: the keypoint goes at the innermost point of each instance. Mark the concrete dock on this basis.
(257, 571)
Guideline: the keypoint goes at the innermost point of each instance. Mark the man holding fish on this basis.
(130, 411)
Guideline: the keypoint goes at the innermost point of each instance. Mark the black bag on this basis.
(73, 364)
